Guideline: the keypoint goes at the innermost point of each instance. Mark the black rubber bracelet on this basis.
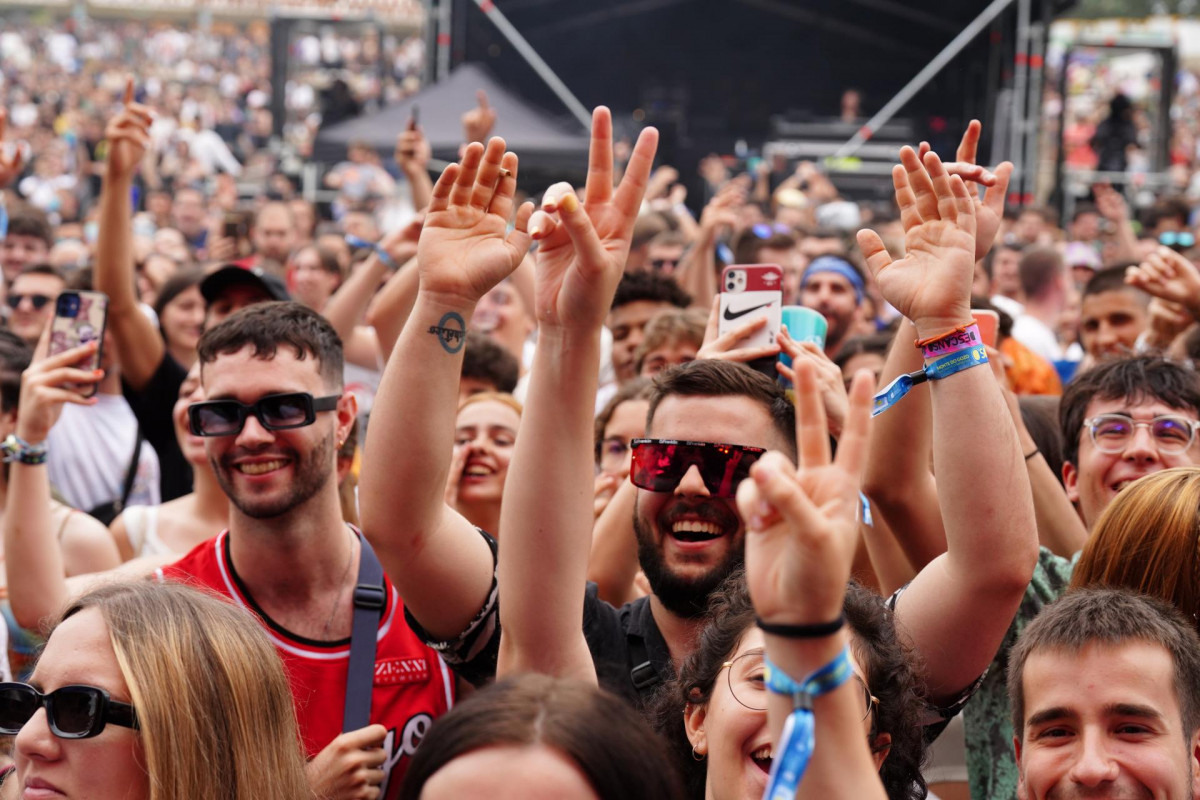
(802, 631)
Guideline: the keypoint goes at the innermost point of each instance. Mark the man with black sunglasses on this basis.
(31, 301)
(275, 417)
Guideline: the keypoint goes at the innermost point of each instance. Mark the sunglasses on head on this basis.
(275, 412)
(764, 230)
(73, 712)
(660, 464)
(38, 301)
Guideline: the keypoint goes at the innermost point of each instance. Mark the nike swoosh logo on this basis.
(731, 315)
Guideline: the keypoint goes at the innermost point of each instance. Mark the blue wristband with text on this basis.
(936, 370)
(798, 738)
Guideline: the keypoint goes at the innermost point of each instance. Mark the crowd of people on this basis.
(492, 503)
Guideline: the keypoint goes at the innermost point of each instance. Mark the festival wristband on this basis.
(937, 370)
(798, 739)
(383, 255)
(954, 342)
(816, 631)
(18, 450)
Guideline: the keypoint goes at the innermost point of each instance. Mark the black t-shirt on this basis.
(631, 657)
(153, 407)
(625, 642)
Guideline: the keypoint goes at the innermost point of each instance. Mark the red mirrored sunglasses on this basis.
(660, 464)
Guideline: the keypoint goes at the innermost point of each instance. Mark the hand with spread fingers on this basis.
(582, 246)
(128, 137)
(931, 284)
(465, 248)
(802, 524)
(1169, 276)
(989, 211)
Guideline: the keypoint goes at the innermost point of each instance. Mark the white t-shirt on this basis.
(90, 449)
(1038, 337)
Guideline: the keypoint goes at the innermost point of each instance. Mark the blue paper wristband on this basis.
(936, 370)
(798, 739)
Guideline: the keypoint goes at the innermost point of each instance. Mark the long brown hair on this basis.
(1146, 540)
(214, 706)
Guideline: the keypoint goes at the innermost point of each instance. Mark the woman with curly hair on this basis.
(724, 740)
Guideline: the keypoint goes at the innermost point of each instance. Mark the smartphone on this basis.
(749, 292)
(79, 318)
(989, 325)
(234, 226)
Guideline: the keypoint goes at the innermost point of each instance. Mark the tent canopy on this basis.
(539, 137)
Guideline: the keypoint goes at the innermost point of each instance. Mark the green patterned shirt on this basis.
(991, 763)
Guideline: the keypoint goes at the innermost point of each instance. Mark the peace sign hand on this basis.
(582, 247)
(801, 524)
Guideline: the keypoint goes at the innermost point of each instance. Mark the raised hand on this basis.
(479, 121)
(50, 382)
(465, 248)
(412, 150)
(582, 247)
(801, 524)
(1169, 276)
(931, 284)
(721, 210)
(10, 163)
(1110, 203)
(989, 211)
(401, 244)
(128, 136)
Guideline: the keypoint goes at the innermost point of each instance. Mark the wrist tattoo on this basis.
(451, 332)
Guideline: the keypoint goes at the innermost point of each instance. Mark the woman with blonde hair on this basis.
(485, 434)
(158, 691)
(1146, 540)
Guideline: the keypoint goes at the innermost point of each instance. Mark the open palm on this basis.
(583, 247)
(465, 247)
(931, 284)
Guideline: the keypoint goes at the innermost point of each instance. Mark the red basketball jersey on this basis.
(412, 684)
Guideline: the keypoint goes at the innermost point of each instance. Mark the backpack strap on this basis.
(369, 600)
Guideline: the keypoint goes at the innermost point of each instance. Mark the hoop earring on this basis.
(697, 756)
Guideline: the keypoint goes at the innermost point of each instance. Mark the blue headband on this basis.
(838, 266)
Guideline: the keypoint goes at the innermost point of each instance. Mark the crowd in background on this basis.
(429, 428)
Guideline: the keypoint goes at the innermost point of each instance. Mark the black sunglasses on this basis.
(660, 464)
(276, 412)
(37, 300)
(73, 712)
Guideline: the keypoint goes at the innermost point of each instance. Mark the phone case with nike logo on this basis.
(750, 292)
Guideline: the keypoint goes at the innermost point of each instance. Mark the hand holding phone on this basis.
(79, 319)
(42, 390)
(750, 292)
